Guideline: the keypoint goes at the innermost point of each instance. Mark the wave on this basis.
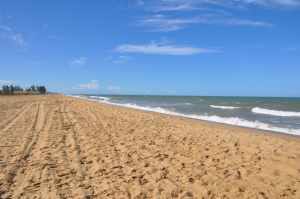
(76, 96)
(176, 104)
(224, 107)
(213, 118)
(275, 112)
(99, 97)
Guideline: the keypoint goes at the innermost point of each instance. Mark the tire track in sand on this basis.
(12, 143)
(13, 120)
(55, 178)
(30, 179)
(74, 155)
(50, 172)
(37, 127)
(95, 127)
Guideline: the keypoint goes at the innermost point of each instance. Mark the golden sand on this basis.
(62, 147)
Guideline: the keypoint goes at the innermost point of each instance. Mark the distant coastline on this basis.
(18, 90)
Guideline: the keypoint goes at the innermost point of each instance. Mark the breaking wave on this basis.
(212, 118)
(224, 107)
(275, 112)
(100, 98)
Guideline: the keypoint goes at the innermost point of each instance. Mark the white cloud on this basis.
(192, 4)
(121, 59)
(166, 24)
(162, 49)
(79, 61)
(5, 28)
(291, 49)
(92, 85)
(273, 2)
(6, 82)
(213, 12)
(18, 39)
(140, 2)
(114, 88)
(7, 32)
(244, 22)
(185, 6)
(162, 23)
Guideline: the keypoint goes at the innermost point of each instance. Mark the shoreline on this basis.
(64, 147)
(179, 115)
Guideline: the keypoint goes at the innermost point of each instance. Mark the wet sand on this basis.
(61, 147)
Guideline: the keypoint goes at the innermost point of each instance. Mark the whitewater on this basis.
(224, 107)
(275, 112)
(236, 121)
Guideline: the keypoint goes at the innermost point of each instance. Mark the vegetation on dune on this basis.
(13, 89)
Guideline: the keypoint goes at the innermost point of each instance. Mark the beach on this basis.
(55, 146)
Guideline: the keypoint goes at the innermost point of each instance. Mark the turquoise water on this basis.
(275, 114)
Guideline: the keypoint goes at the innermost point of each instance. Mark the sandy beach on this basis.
(61, 147)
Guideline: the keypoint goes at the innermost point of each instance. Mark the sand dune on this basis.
(61, 147)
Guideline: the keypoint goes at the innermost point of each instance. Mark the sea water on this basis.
(266, 113)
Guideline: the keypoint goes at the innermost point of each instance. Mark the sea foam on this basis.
(275, 112)
(212, 118)
(100, 98)
(224, 107)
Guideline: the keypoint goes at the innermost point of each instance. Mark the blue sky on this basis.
(172, 47)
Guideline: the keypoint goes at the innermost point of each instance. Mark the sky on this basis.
(165, 47)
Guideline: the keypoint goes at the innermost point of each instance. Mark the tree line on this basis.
(13, 89)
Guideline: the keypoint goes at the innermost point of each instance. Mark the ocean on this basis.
(265, 113)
